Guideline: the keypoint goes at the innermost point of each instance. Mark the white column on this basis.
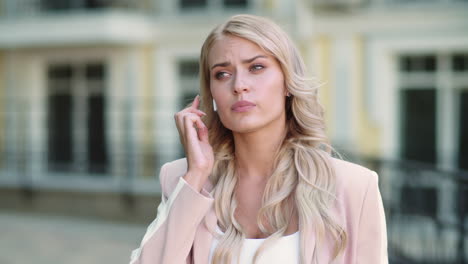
(166, 105)
(11, 113)
(37, 101)
(446, 116)
(132, 91)
(115, 111)
(342, 91)
(382, 93)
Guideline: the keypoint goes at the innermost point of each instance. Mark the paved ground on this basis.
(40, 239)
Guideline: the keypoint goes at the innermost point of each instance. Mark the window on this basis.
(235, 3)
(188, 72)
(215, 4)
(460, 62)
(418, 108)
(188, 4)
(424, 63)
(60, 124)
(418, 124)
(424, 1)
(76, 117)
(189, 83)
(96, 149)
(62, 5)
(460, 68)
(434, 108)
(463, 133)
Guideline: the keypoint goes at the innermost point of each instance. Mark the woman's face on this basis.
(247, 85)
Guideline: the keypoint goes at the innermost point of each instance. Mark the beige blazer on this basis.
(179, 235)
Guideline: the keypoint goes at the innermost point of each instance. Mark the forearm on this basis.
(170, 237)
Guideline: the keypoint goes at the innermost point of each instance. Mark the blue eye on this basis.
(256, 67)
(220, 75)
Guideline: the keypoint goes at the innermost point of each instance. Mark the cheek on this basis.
(215, 94)
(219, 91)
(214, 91)
(273, 88)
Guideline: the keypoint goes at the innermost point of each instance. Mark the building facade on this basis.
(89, 88)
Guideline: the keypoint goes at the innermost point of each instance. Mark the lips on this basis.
(242, 106)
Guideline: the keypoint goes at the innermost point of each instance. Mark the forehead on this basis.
(228, 48)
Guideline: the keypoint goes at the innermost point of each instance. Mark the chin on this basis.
(244, 130)
(244, 127)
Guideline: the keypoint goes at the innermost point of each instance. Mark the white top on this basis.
(283, 250)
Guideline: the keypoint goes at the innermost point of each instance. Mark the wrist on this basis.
(195, 180)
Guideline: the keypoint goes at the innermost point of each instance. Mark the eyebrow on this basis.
(224, 64)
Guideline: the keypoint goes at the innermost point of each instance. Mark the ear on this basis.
(286, 90)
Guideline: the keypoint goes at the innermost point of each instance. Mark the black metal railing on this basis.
(426, 210)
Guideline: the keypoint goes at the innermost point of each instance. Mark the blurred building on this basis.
(396, 89)
(89, 88)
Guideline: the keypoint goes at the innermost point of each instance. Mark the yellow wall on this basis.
(367, 136)
(322, 69)
(366, 133)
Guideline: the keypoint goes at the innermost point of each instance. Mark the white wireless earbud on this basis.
(215, 107)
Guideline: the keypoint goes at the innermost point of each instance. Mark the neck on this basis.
(255, 152)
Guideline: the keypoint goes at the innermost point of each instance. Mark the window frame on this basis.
(82, 88)
(447, 85)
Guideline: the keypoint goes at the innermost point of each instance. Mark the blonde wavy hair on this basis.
(303, 180)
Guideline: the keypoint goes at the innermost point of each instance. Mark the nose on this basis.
(240, 84)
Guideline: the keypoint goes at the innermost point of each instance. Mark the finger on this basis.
(180, 123)
(191, 135)
(179, 120)
(194, 111)
(199, 112)
(179, 117)
(202, 131)
(190, 121)
(196, 102)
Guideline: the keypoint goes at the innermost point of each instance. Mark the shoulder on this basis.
(360, 211)
(171, 173)
(352, 180)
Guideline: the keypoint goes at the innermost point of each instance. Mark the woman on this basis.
(259, 184)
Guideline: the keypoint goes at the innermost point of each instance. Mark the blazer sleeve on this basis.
(170, 236)
(372, 232)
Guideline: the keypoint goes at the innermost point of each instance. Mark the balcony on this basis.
(337, 5)
(27, 8)
(36, 23)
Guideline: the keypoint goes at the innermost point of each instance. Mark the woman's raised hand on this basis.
(194, 137)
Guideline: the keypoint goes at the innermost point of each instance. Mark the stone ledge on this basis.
(132, 208)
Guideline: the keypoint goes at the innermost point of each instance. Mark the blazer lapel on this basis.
(203, 237)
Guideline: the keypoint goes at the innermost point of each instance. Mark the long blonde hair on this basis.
(303, 171)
